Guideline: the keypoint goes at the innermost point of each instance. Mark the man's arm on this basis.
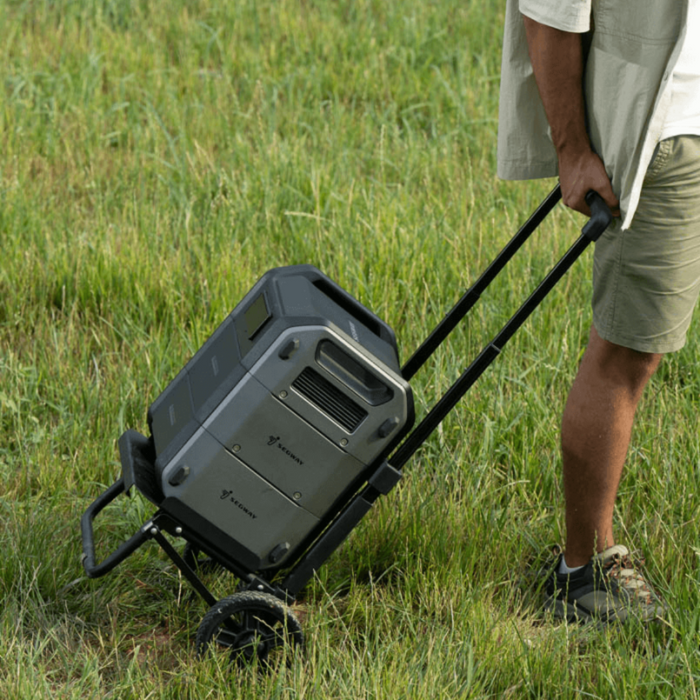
(557, 61)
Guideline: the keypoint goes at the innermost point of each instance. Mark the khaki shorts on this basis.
(646, 280)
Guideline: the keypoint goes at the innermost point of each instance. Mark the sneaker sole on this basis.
(561, 610)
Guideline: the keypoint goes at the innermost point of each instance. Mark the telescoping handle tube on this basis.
(601, 216)
(471, 296)
(594, 228)
(92, 569)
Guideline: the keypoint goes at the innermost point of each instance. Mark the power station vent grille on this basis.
(320, 392)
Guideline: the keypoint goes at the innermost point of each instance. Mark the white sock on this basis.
(564, 569)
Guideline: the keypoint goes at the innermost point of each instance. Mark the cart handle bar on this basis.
(92, 569)
(594, 228)
(599, 221)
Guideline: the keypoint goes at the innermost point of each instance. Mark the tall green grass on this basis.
(155, 160)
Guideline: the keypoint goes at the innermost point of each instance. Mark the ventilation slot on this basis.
(320, 392)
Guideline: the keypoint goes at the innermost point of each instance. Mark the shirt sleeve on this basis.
(566, 15)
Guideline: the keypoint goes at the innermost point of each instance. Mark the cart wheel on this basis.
(252, 626)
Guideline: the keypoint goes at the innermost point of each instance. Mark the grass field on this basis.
(155, 159)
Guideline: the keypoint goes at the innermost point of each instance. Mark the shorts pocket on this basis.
(658, 160)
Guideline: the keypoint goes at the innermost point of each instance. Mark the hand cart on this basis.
(278, 436)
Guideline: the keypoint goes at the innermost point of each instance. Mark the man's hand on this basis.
(581, 172)
(557, 61)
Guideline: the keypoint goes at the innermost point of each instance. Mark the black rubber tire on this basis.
(253, 627)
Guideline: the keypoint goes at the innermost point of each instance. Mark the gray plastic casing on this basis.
(270, 425)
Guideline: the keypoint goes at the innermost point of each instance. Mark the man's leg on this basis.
(596, 430)
(646, 282)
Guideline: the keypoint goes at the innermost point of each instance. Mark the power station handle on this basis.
(601, 216)
(350, 305)
(92, 569)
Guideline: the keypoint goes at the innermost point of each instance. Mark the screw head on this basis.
(283, 394)
(297, 496)
(343, 442)
(236, 448)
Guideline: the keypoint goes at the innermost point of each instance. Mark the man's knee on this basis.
(622, 366)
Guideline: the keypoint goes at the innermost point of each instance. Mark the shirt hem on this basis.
(579, 24)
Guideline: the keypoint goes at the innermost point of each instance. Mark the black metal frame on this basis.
(385, 473)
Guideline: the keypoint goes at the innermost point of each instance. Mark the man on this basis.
(606, 94)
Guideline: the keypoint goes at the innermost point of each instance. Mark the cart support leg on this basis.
(181, 564)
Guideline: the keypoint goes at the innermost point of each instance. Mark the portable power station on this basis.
(278, 415)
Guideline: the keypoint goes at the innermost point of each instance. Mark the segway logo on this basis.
(276, 441)
(227, 496)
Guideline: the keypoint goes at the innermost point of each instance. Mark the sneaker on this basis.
(610, 588)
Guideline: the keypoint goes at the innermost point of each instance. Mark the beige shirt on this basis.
(634, 47)
(684, 110)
